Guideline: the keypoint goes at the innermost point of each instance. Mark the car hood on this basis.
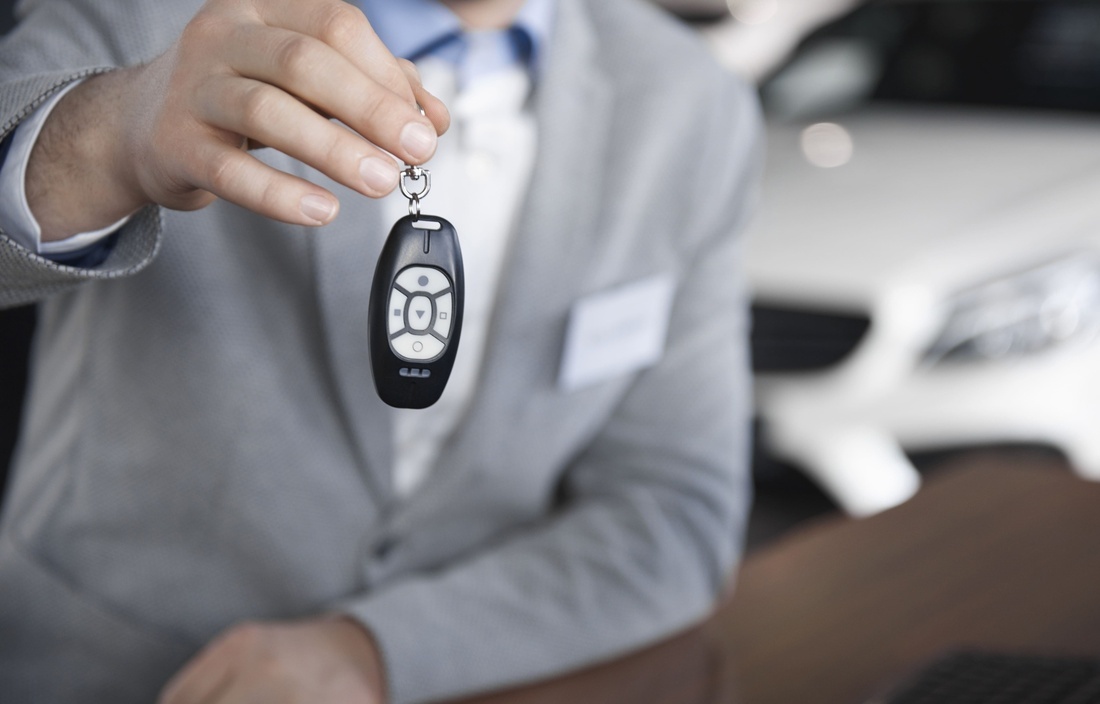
(943, 199)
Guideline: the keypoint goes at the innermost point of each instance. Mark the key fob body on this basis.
(415, 314)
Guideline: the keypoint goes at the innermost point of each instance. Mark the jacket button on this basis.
(385, 548)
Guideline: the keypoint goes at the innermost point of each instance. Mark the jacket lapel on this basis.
(345, 256)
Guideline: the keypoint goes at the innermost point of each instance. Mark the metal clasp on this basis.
(415, 174)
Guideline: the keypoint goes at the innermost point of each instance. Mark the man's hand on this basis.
(244, 73)
(322, 661)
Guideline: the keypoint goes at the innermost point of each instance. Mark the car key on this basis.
(415, 314)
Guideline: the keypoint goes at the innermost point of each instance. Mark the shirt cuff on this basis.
(16, 219)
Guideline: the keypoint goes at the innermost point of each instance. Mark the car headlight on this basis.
(1022, 314)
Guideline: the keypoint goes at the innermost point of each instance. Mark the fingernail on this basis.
(317, 208)
(380, 175)
(418, 140)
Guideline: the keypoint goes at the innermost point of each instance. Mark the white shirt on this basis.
(480, 175)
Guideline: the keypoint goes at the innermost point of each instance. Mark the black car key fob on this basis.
(415, 314)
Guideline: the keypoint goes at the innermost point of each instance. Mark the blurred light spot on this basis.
(753, 11)
(827, 145)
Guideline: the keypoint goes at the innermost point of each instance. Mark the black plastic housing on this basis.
(401, 383)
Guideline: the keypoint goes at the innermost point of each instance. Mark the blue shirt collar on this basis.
(413, 29)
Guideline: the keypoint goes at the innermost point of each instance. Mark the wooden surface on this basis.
(992, 553)
(687, 669)
(997, 552)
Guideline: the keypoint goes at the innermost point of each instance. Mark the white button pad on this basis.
(420, 322)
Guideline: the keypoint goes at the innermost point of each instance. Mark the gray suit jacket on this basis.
(204, 445)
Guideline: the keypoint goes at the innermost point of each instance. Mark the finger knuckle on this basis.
(335, 151)
(340, 24)
(377, 107)
(410, 70)
(198, 39)
(258, 104)
(297, 56)
(272, 196)
(203, 25)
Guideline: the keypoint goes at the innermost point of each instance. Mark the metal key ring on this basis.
(415, 173)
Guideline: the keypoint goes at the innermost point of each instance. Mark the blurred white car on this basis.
(926, 260)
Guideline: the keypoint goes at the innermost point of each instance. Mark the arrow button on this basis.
(420, 313)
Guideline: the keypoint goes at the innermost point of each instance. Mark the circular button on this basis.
(423, 279)
(416, 348)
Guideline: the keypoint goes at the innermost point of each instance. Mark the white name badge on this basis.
(616, 332)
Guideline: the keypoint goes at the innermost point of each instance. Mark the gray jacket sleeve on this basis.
(649, 530)
(55, 43)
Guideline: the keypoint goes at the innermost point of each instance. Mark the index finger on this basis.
(346, 29)
(432, 107)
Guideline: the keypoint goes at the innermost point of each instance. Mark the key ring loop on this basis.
(415, 173)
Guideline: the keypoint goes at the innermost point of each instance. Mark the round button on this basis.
(413, 279)
(416, 348)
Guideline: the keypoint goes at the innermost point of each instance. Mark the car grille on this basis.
(790, 340)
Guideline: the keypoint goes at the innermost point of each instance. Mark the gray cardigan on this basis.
(203, 444)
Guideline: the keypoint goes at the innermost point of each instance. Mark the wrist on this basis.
(79, 177)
